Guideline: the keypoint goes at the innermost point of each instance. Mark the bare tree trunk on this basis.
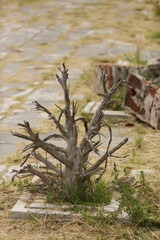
(74, 170)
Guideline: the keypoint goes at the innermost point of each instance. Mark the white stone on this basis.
(9, 174)
(91, 107)
(2, 167)
(112, 207)
(137, 172)
(124, 218)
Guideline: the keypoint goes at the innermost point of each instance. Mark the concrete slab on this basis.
(108, 47)
(51, 34)
(8, 143)
(91, 107)
(11, 68)
(22, 210)
(47, 96)
(50, 57)
(31, 116)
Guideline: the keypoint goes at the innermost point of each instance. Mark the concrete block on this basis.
(23, 209)
(91, 107)
(9, 174)
(114, 74)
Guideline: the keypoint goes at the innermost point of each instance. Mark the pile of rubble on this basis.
(142, 96)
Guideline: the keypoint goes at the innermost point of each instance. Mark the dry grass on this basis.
(48, 228)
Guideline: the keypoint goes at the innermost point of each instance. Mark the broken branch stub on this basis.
(75, 159)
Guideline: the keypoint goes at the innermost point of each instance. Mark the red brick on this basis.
(143, 100)
(114, 73)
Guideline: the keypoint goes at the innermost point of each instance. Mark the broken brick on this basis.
(114, 74)
(143, 100)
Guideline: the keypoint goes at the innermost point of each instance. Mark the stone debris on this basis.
(138, 171)
(142, 100)
(7, 177)
(114, 73)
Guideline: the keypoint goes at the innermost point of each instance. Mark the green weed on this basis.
(133, 200)
(139, 141)
(136, 59)
(133, 154)
(87, 116)
(15, 157)
(141, 130)
(118, 97)
(94, 194)
(86, 77)
(154, 34)
(157, 8)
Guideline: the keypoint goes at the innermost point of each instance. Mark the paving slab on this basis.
(63, 48)
(47, 96)
(51, 34)
(31, 116)
(74, 74)
(11, 68)
(19, 37)
(8, 143)
(50, 57)
(108, 47)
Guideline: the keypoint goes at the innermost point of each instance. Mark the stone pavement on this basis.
(35, 38)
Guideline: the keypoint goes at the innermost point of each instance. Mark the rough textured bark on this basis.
(74, 159)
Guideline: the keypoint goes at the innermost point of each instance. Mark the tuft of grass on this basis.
(118, 97)
(141, 130)
(136, 59)
(15, 157)
(136, 203)
(155, 34)
(139, 141)
(87, 116)
(133, 154)
(157, 8)
(84, 194)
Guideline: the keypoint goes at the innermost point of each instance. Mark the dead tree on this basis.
(76, 166)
